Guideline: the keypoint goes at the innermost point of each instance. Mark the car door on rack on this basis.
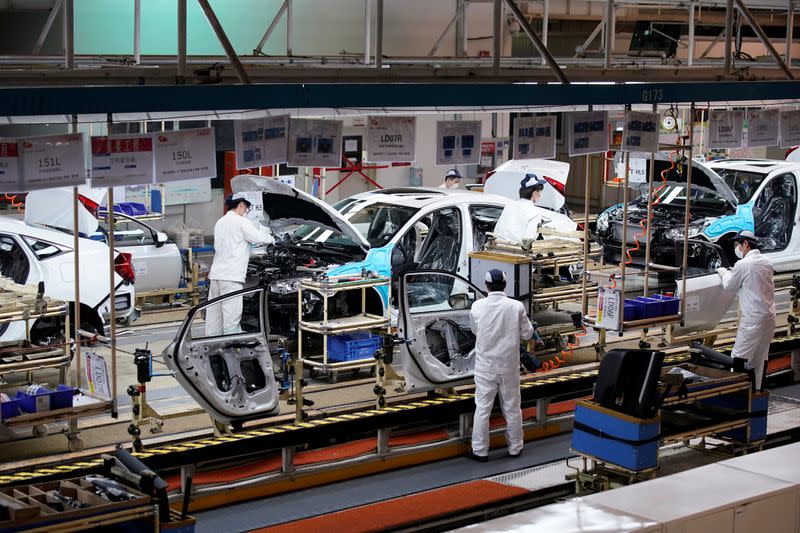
(434, 322)
(230, 376)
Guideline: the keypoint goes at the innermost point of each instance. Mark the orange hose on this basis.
(12, 198)
(552, 364)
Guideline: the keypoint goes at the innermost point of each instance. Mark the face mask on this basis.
(738, 251)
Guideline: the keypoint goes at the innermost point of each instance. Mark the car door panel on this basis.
(707, 302)
(434, 322)
(230, 376)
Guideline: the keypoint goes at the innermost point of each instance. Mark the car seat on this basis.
(440, 249)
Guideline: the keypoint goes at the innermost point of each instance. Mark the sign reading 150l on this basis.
(652, 95)
(181, 155)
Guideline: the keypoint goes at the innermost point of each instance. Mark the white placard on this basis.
(288, 180)
(256, 199)
(10, 179)
(261, 141)
(638, 167)
(52, 161)
(458, 142)
(609, 308)
(763, 127)
(725, 129)
(315, 143)
(640, 133)
(122, 160)
(535, 137)
(194, 191)
(391, 139)
(185, 154)
(790, 128)
(95, 376)
(587, 132)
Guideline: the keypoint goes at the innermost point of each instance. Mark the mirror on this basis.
(461, 301)
(161, 239)
(398, 257)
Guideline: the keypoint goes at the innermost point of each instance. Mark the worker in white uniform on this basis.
(451, 179)
(499, 324)
(234, 234)
(752, 276)
(520, 220)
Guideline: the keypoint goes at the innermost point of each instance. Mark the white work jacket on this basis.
(233, 235)
(519, 220)
(752, 277)
(499, 324)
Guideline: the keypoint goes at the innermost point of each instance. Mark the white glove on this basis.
(722, 271)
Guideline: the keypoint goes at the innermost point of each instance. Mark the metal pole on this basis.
(181, 74)
(526, 27)
(687, 208)
(137, 31)
(691, 33)
(545, 24)
(763, 38)
(651, 175)
(77, 273)
(712, 44)
(112, 301)
(226, 44)
(379, 34)
(47, 25)
(789, 32)
(69, 34)
(288, 30)
(625, 199)
(272, 27)
(497, 38)
(598, 29)
(445, 32)
(587, 192)
(728, 35)
(367, 30)
(609, 32)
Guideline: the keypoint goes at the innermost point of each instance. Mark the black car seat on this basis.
(440, 249)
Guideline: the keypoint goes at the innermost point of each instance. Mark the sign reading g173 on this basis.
(391, 139)
(185, 154)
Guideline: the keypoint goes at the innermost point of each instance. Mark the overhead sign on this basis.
(185, 154)
(123, 160)
(261, 141)
(9, 166)
(391, 139)
(535, 137)
(315, 143)
(725, 129)
(790, 128)
(52, 161)
(763, 127)
(458, 142)
(587, 132)
(640, 133)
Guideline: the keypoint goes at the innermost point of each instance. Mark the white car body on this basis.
(47, 256)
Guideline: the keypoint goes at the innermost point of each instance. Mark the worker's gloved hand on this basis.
(722, 271)
(531, 363)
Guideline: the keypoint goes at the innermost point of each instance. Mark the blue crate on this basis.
(649, 307)
(45, 399)
(10, 409)
(347, 347)
(62, 397)
(631, 311)
(634, 457)
(671, 305)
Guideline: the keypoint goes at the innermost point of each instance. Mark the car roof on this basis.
(761, 166)
(19, 227)
(419, 197)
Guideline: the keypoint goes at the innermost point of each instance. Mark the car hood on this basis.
(702, 176)
(53, 208)
(506, 178)
(284, 205)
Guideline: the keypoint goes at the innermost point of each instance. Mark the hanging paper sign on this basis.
(535, 137)
(638, 167)
(124, 160)
(458, 142)
(185, 154)
(609, 308)
(52, 161)
(9, 166)
(763, 127)
(640, 133)
(256, 199)
(391, 139)
(315, 143)
(725, 129)
(588, 132)
(790, 128)
(261, 141)
(95, 376)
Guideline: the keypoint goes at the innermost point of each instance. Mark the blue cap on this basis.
(495, 276)
(453, 173)
(532, 180)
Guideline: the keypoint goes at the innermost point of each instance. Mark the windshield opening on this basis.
(743, 184)
(377, 222)
(675, 195)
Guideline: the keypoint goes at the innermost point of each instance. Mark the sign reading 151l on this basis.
(181, 155)
(48, 162)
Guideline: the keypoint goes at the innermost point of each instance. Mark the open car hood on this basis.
(284, 205)
(53, 208)
(702, 177)
(506, 179)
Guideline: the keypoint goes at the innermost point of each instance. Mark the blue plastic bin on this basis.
(649, 307)
(671, 305)
(136, 208)
(631, 311)
(45, 399)
(10, 409)
(62, 397)
(347, 347)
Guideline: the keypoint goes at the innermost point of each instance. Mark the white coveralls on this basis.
(233, 235)
(519, 220)
(752, 277)
(499, 324)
